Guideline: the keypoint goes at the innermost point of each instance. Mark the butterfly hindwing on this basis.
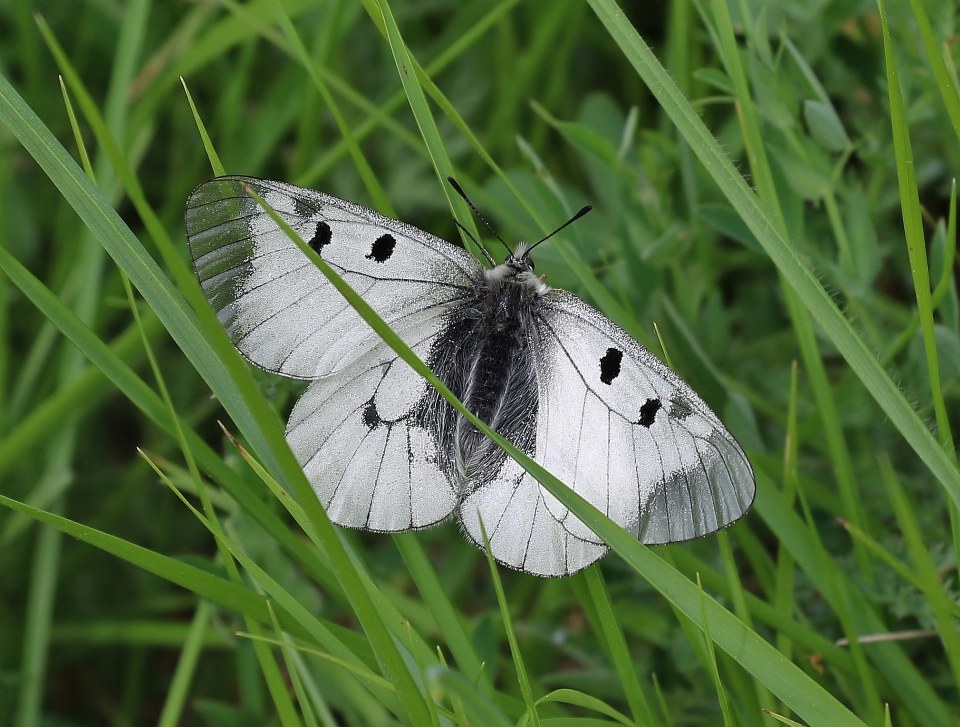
(647, 451)
(368, 447)
(523, 533)
(277, 307)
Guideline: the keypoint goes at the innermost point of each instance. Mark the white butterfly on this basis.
(385, 452)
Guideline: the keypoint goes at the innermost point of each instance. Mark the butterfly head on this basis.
(517, 269)
(518, 264)
(520, 258)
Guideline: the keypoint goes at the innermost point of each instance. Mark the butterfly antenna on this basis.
(476, 242)
(581, 213)
(459, 190)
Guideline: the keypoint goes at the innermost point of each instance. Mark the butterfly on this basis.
(385, 452)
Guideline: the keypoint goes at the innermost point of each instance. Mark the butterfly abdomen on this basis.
(485, 358)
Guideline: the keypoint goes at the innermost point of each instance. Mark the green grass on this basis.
(772, 189)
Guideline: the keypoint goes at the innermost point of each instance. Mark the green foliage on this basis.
(772, 187)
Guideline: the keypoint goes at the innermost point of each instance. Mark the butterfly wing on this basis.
(279, 310)
(368, 446)
(649, 452)
(624, 432)
(523, 532)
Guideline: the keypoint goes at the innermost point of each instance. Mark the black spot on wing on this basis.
(321, 237)
(371, 417)
(610, 365)
(680, 408)
(648, 412)
(382, 248)
(304, 207)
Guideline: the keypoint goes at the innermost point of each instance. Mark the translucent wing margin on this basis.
(279, 310)
(648, 451)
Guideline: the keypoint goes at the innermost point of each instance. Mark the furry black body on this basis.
(486, 355)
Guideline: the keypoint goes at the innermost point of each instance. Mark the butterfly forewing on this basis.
(277, 307)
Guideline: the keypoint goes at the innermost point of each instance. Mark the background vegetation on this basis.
(799, 260)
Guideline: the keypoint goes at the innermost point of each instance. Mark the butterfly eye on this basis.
(529, 261)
